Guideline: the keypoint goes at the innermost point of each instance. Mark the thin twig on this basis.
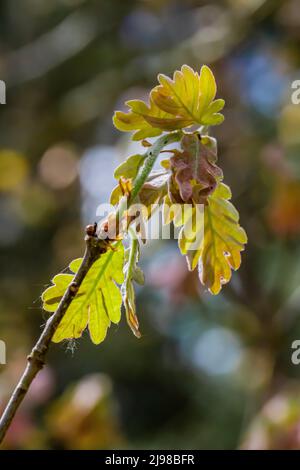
(36, 358)
(94, 248)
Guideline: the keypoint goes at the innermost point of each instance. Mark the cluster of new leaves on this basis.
(189, 188)
(151, 193)
(211, 237)
(187, 100)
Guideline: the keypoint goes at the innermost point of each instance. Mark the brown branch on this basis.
(36, 359)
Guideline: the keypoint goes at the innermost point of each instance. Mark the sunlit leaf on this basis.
(217, 250)
(125, 173)
(96, 304)
(129, 168)
(152, 191)
(135, 120)
(132, 273)
(190, 96)
(186, 100)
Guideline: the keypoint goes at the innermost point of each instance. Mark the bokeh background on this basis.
(209, 372)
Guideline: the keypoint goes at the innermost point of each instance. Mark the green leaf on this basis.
(219, 248)
(190, 96)
(125, 173)
(134, 120)
(153, 191)
(132, 273)
(224, 239)
(130, 167)
(116, 195)
(97, 302)
(186, 100)
(138, 276)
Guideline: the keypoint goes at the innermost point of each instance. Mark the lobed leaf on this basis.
(224, 239)
(218, 249)
(97, 302)
(188, 99)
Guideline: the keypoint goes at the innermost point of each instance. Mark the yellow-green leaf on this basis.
(130, 167)
(125, 173)
(148, 121)
(132, 273)
(186, 100)
(224, 239)
(218, 249)
(97, 302)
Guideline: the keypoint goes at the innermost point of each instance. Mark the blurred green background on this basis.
(209, 372)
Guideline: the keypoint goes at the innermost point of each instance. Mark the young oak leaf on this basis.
(147, 121)
(214, 242)
(125, 173)
(188, 99)
(190, 96)
(97, 302)
(132, 273)
(224, 239)
(152, 191)
(150, 196)
(194, 170)
(130, 167)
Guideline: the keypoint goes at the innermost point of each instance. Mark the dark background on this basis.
(209, 372)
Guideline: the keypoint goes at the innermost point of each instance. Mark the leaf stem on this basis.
(151, 156)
